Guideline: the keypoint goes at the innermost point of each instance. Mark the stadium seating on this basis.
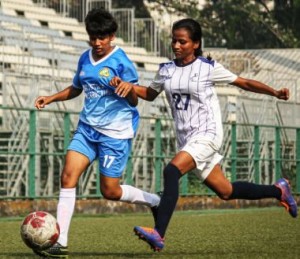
(45, 21)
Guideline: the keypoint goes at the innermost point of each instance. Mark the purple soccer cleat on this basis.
(151, 236)
(287, 199)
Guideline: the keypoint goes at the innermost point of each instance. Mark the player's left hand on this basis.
(283, 93)
(122, 88)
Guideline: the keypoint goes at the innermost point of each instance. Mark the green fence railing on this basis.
(256, 153)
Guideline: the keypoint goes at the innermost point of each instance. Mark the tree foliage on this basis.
(140, 9)
(243, 23)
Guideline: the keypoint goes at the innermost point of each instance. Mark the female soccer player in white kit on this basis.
(188, 82)
(107, 124)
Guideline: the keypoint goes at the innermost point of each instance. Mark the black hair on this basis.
(100, 22)
(194, 29)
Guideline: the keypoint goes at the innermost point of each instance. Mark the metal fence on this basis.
(32, 156)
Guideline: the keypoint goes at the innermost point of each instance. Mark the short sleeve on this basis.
(159, 80)
(128, 73)
(222, 75)
(76, 81)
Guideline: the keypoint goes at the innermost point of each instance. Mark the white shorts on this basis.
(205, 155)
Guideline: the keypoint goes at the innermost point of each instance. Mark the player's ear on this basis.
(197, 45)
(112, 36)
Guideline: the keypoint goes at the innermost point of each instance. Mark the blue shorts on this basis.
(112, 153)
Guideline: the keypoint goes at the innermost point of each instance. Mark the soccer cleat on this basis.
(287, 200)
(55, 251)
(151, 236)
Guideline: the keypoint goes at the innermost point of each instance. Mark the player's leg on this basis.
(197, 153)
(180, 164)
(113, 157)
(217, 181)
(81, 153)
(75, 164)
(112, 190)
(250, 191)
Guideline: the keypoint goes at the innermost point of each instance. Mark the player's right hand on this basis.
(115, 81)
(40, 102)
(283, 94)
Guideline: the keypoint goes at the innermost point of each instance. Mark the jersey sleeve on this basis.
(127, 72)
(222, 75)
(158, 82)
(76, 81)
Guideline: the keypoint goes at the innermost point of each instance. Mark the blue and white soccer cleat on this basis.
(151, 236)
(287, 199)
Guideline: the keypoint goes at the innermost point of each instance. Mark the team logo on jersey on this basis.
(104, 72)
(195, 77)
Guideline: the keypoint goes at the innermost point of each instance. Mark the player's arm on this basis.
(146, 93)
(258, 87)
(125, 90)
(66, 94)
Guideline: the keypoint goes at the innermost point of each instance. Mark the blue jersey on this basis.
(104, 110)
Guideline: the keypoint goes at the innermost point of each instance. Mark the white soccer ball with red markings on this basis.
(39, 230)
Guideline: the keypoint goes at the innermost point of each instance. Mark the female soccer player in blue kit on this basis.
(188, 82)
(107, 124)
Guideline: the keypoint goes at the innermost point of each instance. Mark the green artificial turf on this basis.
(251, 233)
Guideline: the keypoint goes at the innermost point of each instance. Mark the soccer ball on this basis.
(39, 230)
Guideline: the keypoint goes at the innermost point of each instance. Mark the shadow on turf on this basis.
(133, 255)
(100, 255)
(17, 255)
(174, 255)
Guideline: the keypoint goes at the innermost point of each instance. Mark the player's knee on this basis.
(67, 180)
(171, 171)
(111, 194)
(225, 194)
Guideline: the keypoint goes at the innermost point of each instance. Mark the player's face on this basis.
(101, 45)
(183, 46)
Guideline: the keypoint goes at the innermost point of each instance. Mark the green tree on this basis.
(287, 14)
(140, 9)
(243, 23)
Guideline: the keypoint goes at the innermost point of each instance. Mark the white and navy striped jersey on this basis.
(104, 110)
(192, 97)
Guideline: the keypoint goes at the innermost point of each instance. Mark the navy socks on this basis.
(251, 191)
(169, 198)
